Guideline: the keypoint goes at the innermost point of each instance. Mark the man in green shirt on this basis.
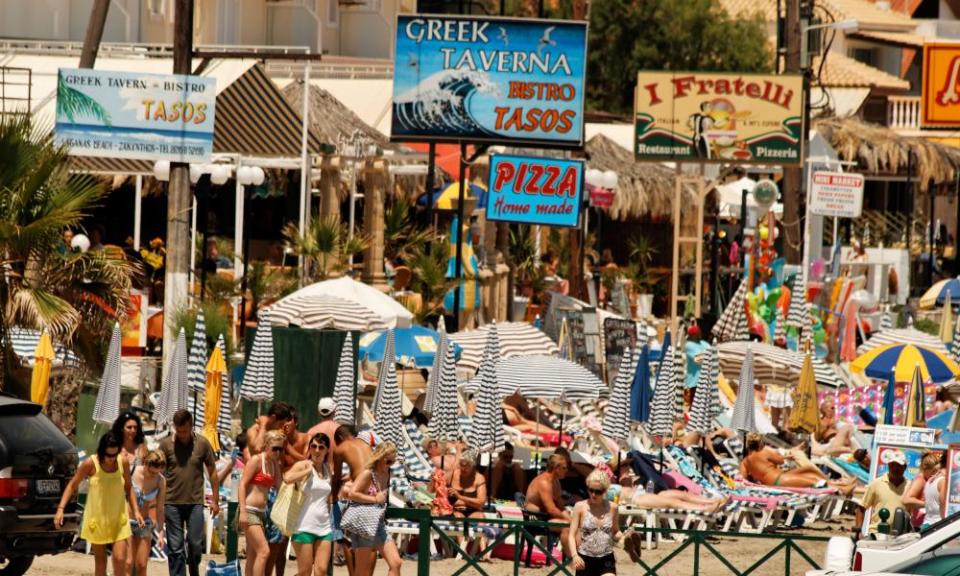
(187, 455)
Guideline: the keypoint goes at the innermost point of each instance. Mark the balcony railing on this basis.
(903, 112)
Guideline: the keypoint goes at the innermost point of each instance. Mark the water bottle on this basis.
(650, 487)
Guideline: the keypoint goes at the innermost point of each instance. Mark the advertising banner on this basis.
(133, 115)
(535, 190)
(836, 194)
(953, 480)
(712, 117)
(940, 91)
(489, 80)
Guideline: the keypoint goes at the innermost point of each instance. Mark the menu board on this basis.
(575, 334)
(618, 335)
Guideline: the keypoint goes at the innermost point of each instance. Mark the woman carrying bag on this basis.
(312, 534)
(367, 498)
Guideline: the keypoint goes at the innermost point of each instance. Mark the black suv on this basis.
(36, 462)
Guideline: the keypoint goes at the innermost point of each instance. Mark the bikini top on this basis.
(261, 478)
(143, 498)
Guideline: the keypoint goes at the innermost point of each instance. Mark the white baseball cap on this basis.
(895, 456)
(326, 406)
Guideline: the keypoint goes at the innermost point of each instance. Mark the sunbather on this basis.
(633, 493)
(834, 438)
(765, 465)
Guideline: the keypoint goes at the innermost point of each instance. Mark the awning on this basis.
(902, 39)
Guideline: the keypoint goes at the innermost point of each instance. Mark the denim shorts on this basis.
(379, 539)
(145, 532)
(337, 515)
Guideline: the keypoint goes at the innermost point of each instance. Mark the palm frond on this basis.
(72, 103)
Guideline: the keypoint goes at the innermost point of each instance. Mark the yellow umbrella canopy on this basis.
(805, 415)
(211, 401)
(42, 364)
(916, 404)
(946, 322)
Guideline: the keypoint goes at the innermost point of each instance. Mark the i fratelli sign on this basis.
(133, 115)
(489, 80)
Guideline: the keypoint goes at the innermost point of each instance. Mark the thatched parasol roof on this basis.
(644, 189)
(880, 150)
(329, 117)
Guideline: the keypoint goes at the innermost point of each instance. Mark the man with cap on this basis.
(693, 348)
(885, 491)
(326, 409)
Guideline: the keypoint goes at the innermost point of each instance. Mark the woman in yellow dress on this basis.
(105, 519)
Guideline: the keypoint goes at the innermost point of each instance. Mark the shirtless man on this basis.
(278, 417)
(543, 496)
(354, 453)
(295, 445)
(833, 438)
(764, 465)
(326, 409)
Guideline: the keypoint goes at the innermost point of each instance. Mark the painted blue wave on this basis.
(440, 106)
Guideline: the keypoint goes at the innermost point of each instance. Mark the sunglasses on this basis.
(597, 491)
(318, 448)
(109, 455)
(156, 465)
(276, 448)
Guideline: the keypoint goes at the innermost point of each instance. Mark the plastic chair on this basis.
(528, 538)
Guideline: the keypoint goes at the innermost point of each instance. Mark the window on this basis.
(866, 56)
(365, 5)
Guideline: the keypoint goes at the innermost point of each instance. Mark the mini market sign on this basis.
(709, 117)
(535, 190)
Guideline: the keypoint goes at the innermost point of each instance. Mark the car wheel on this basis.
(15, 566)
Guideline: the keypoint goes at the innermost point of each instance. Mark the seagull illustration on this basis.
(545, 40)
(503, 36)
(412, 60)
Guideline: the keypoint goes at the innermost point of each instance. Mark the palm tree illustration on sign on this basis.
(72, 103)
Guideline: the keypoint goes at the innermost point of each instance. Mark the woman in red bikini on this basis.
(260, 475)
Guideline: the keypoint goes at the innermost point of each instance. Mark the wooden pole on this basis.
(91, 42)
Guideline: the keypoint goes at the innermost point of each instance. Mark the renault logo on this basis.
(50, 470)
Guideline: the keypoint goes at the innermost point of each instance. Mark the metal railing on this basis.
(903, 112)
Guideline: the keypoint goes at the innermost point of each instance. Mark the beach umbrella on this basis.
(886, 320)
(40, 377)
(939, 292)
(706, 399)
(344, 389)
(679, 371)
(444, 424)
(325, 311)
(946, 322)
(387, 404)
(641, 396)
(916, 403)
(743, 411)
(173, 396)
(780, 329)
(513, 339)
(414, 347)
(732, 322)
(935, 366)
(487, 428)
(107, 407)
(563, 341)
(445, 197)
(642, 338)
(225, 416)
(771, 365)
(955, 345)
(433, 379)
(908, 335)
(213, 396)
(865, 237)
(616, 417)
(258, 379)
(805, 414)
(196, 365)
(889, 398)
(797, 312)
(664, 406)
(544, 377)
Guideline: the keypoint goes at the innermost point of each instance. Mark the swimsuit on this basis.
(146, 531)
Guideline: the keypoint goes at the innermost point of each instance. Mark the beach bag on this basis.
(286, 509)
(362, 520)
(228, 569)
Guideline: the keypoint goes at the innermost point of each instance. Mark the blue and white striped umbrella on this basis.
(616, 417)
(197, 364)
(258, 379)
(173, 396)
(444, 424)
(744, 417)
(886, 319)
(706, 399)
(487, 429)
(346, 385)
(107, 407)
(438, 359)
(387, 403)
(664, 406)
(797, 313)
(732, 324)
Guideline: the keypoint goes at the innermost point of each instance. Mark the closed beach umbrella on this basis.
(444, 425)
(616, 418)
(642, 338)
(213, 397)
(889, 398)
(225, 417)
(42, 364)
(641, 396)
(197, 365)
(743, 411)
(664, 406)
(935, 365)
(805, 415)
(797, 313)
(946, 322)
(955, 345)
(780, 330)
(173, 396)
(706, 399)
(487, 429)
(345, 387)
(258, 379)
(916, 403)
(107, 407)
(886, 320)
(387, 407)
(732, 322)
(433, 379)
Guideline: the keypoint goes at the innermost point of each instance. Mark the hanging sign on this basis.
(836, 194)
(500, 80)
(940, 99)
(711, 117)
(535, 190)
(134, 115)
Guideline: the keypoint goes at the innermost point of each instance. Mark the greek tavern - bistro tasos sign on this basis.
(133, 115)
(710, 117)
(489, 80)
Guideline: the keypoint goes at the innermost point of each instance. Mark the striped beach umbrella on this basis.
(545, 377)
(908, 335)
(345, 387)
(706, 399)
(387, 406)
(487, 428)
(743, 411)
(444, 423)
(938, 293)
(225, 419)
(325, 311)
(616, 417)
(679, 376)
(433, 379)
(780, 329)
(886, 319)
(772, 365)
(258, 379)
(732, 322)
(797, 312)
(107, 407)
(664, 405)
(173, 396)
(642, 338)
(197, 364)
(513, 339)
(955, 345)
(935, 365)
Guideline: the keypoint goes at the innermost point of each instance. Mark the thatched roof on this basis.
(329, 117)
(880, 150)
(645, 190)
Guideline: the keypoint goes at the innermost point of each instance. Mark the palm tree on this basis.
(326, 246)
(401, 235)
(429, 269)
(72, 103)
(76, 296)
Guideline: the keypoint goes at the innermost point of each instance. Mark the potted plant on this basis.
(641, 256)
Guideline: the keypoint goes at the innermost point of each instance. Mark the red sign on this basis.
(600, 197)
